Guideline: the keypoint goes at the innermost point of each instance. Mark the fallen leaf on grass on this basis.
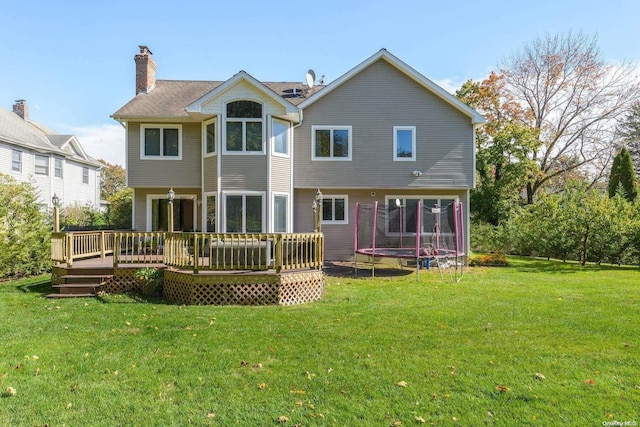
(539, 376)
(11, 391)
(282, 419)
(420, 420)
(502, 388)
(294, 391)
(262, 386)
(590, 381)
(396, 423)
(402, 384)
(211, 415)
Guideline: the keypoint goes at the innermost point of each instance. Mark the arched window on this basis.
(244, 127)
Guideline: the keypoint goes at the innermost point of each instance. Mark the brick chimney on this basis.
(145, 71)
(21, 109)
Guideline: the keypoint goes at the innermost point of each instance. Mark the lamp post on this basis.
(317, 210)
(171, 195)
(56, 214)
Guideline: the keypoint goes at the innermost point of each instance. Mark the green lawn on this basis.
(538, 343)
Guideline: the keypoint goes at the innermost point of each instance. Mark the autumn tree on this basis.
(113, 179)
(502, 147)
(572, 98)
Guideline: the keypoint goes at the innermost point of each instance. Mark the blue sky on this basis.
(72, 61)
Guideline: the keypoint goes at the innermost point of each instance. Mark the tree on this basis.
(623, 176)
(572, 98)
(113, 179)
(629, 133)
(24, 230)
(503, 143)
(119, 211)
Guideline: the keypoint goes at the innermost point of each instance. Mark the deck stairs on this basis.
(81, 282)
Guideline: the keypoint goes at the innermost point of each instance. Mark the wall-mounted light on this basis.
(171, 195)
(417, 173)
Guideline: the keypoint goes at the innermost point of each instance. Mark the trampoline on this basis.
(412, 229)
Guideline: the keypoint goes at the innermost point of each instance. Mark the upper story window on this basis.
(404, 143)
(16, 161)
(42, 165)
(244, 127)
(85, 175)
(210, 137)
(335, 209)
(280, 137)
(58, 168)
(331, 143)
(160, 141)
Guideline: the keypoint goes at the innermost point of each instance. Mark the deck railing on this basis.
(194, 251)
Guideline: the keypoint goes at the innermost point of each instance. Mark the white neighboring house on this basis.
(53, 163)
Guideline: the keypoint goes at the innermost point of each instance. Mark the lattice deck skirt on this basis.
(268, 288)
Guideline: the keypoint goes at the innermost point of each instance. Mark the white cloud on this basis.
(450, 85)
(104, 141)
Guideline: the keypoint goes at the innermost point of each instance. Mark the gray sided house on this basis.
(249, 156)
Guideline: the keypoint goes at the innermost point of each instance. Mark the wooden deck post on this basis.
(277, 258)
(196, 253)
(69, 254)
(102, 245)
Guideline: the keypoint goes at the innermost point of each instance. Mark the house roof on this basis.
(31, 135)
(428, 84)
(170, 98)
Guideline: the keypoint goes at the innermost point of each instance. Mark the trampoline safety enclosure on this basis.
(427, 233)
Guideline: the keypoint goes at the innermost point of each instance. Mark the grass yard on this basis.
(538, 343)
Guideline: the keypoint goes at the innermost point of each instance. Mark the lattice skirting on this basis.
(123, 281)
(243, 289)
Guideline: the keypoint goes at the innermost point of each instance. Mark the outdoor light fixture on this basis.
(171, 194)
(56, 214)
(317, 210)
(417, 173)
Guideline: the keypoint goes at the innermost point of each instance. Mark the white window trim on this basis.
(273, 138)
(391, 201)
(346, 208)
(85, 168)
(35, 164)
(55, 160)
(395, 144)
(223, 202)
(204, 136)
(20, 160)
(314, 128)
(273, 213)
(144, 126)
(244, 121)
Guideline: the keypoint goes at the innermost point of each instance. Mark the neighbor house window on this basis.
(85, 175)
(161, 141)
(210, 137)
(58, 168)
(42, 165)
(280, 137)
(331, 142)
(16, 161)
(404, 143)
(244, 127)
(243, 213)
(280, 216)
(335, 209)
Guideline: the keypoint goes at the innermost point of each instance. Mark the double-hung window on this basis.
(244, 127)
(280, 213)
(16, 161)
(404, 143)
(331, 143)
(42, 165)
(280, 138)
(210, 137)
(58, 167)
(335, 209)
(244, 213)
(161, 141)
(85, 175)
